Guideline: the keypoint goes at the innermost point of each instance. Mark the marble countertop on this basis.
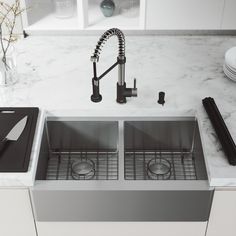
(55, 74)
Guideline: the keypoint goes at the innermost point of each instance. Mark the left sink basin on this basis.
(80, 150)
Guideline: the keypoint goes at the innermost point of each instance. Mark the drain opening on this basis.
(82, 169)
(159, 167)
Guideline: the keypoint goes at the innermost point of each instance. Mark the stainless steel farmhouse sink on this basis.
(121, 169)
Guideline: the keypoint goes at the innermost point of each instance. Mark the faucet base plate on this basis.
(96, 98)
(121, 101)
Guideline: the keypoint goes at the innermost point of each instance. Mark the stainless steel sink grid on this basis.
(79, 151)
(176, 165)
(105, 166)
(163, 150)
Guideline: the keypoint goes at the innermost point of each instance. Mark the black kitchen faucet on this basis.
(122, 91)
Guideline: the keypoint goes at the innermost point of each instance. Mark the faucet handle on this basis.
(134, 92)
(135, 83)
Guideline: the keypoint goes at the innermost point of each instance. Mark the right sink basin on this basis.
(167, 149)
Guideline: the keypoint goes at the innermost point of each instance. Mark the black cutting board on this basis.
(16, 155)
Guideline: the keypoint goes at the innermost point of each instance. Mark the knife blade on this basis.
(14, 133)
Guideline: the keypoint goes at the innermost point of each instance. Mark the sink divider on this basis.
(121, 157)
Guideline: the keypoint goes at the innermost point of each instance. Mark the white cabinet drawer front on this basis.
(124, 229)
(229, 17)
(223, 214)
(16, 216)
(184, 14)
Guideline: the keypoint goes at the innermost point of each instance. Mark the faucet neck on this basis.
(109, 33)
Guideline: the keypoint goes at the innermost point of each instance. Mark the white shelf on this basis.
(150, 15)
(88, 16)
(51, 22)
(96, 20)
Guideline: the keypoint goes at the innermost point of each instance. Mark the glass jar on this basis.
(64, 8)
(8, 69)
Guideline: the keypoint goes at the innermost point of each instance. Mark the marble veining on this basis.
(55, 74)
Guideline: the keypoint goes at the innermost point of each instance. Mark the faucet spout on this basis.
(122, 91)
(109, 33)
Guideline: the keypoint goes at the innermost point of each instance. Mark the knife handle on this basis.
(3, 145)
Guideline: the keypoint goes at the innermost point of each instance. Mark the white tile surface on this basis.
(55, 74)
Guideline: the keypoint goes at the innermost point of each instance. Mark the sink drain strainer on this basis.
(82, 169)
(157, 167)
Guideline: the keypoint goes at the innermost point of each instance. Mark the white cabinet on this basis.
(184, 14)
(16, 216)
(229, 16)
(121, 228)
(145, 14)
(125, 16)
(223, 214)
(40, 16)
